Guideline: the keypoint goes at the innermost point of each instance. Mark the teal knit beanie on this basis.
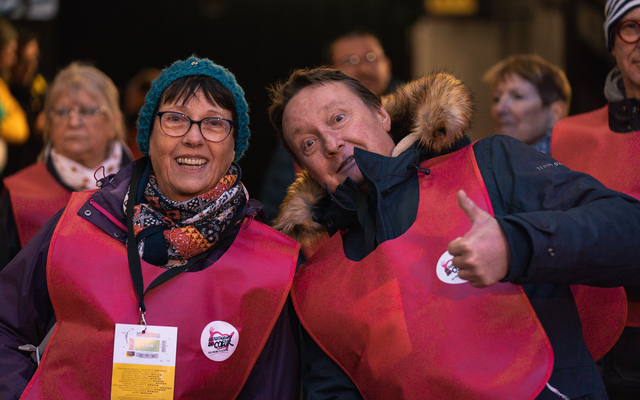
(189, 67)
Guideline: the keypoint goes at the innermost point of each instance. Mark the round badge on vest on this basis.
(446, 271)
(219, 340)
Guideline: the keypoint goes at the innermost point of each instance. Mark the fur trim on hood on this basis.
(295, 218)
(435, 110)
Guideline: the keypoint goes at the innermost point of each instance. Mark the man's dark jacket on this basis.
(563, 228)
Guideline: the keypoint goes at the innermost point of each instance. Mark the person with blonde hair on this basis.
(84, 132)
(529, 96)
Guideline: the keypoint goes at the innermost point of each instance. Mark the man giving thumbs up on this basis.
(482, 254)
(387, 311)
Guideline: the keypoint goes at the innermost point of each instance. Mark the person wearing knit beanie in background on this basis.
(162, 281)
(605, 143)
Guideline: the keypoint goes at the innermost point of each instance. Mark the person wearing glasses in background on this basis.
(605, 143)
(84, 131)
(358, 53)
(169, 248)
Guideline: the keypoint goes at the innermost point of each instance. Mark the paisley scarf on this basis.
(169, 232)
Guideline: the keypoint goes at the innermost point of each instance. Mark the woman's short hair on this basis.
(96, 83)
(550, 82)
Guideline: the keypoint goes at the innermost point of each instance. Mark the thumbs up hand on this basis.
(482, 254)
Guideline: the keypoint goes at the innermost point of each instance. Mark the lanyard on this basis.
(132, 248)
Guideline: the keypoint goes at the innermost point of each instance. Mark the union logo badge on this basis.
(219, 340)
(446, 271)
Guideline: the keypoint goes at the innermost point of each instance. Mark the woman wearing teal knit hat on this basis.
(163, 274)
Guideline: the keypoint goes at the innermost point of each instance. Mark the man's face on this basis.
(628, 59)
(362, 57)
(322, 124)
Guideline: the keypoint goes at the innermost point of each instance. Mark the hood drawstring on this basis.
(425, 171)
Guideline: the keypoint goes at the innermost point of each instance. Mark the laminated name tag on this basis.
(144, 362)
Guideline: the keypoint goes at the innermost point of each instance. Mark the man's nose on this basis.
(333, 142)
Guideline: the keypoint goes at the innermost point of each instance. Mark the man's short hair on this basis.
(550, 82)
(283, 92)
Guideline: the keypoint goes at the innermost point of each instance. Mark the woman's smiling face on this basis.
(189, 165)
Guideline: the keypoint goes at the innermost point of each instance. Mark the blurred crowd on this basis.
(545, 227)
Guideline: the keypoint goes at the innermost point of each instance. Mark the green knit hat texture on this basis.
(189, 67)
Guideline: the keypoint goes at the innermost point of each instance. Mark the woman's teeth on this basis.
(191, 163)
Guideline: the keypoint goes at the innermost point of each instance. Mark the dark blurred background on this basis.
(262, 41)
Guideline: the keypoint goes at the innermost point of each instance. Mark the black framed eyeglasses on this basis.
(628, 31)
(213, 129)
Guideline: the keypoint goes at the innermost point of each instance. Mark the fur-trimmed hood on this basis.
(435, 110)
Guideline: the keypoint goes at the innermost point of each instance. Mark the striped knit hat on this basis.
(613, 12)
(189, 67)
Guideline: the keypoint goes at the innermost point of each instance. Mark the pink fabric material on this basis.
(91, 289)
(399, 331)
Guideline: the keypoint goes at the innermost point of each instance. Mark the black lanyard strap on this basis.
(135, 267)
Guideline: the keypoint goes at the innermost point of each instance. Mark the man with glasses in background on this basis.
(605, 143)
(359, 53)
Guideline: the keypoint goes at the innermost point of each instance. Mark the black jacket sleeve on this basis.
(9, 239)
(322, 378)
(563, 227)
(26, 313)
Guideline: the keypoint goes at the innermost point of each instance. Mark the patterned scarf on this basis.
(169, 233)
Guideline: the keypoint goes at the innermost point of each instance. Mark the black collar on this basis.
(624, 116)
(382, 174)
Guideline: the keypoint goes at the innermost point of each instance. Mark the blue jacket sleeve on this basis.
(563, 227)
(26, 313)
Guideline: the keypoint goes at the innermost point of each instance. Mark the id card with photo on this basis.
(144, 362)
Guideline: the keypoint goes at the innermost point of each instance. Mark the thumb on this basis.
(470, 208)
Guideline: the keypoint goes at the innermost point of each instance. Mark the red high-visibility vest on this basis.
(35, 197)
(91, 290)
(401, 325)
(585, 143)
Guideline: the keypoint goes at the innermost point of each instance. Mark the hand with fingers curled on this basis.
(482, 255)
